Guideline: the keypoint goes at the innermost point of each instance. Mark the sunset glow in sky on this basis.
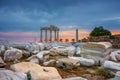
(20, 20)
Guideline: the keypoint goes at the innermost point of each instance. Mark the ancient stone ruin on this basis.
(50, 29)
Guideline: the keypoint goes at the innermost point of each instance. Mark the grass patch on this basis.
(89, 67)
(2, 54)
(78, 55)
(74, 72)
(104, 72)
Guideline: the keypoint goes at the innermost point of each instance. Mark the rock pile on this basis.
(61, 55)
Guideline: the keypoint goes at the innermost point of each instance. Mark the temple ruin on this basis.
(50, 29)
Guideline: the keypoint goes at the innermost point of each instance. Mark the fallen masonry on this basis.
(58, 60)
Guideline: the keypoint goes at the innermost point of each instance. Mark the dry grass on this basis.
(82, 72)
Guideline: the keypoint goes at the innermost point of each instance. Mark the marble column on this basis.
(58, 35)
(55, 35)
(41, 35)
(46, 35)
(76, 35)
(50, 35)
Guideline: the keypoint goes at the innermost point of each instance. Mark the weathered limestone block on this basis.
(84, 61)
(115, 55)
(33, 59)
(48, 46)
(62, 51)
(117, 76)
(41, 46)
(65, 51)
(67, 63)
(95, 51)
(111, 65)
(43, 55)
(32, 48)
(12, 54)
(50, 62)
(78, 50)
(10, 75)
(37, 72)
(53, 52)
(71, 50)
(2, 49)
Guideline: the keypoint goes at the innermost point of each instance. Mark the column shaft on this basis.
(50, 35)
(58, 35)
(46, 35)
(41, 36)
(55, 35)
(76, 35)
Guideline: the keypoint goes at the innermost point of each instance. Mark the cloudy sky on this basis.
(20, 20)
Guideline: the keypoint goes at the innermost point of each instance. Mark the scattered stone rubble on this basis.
(115, 56)
(112, 61)
(61, 55)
